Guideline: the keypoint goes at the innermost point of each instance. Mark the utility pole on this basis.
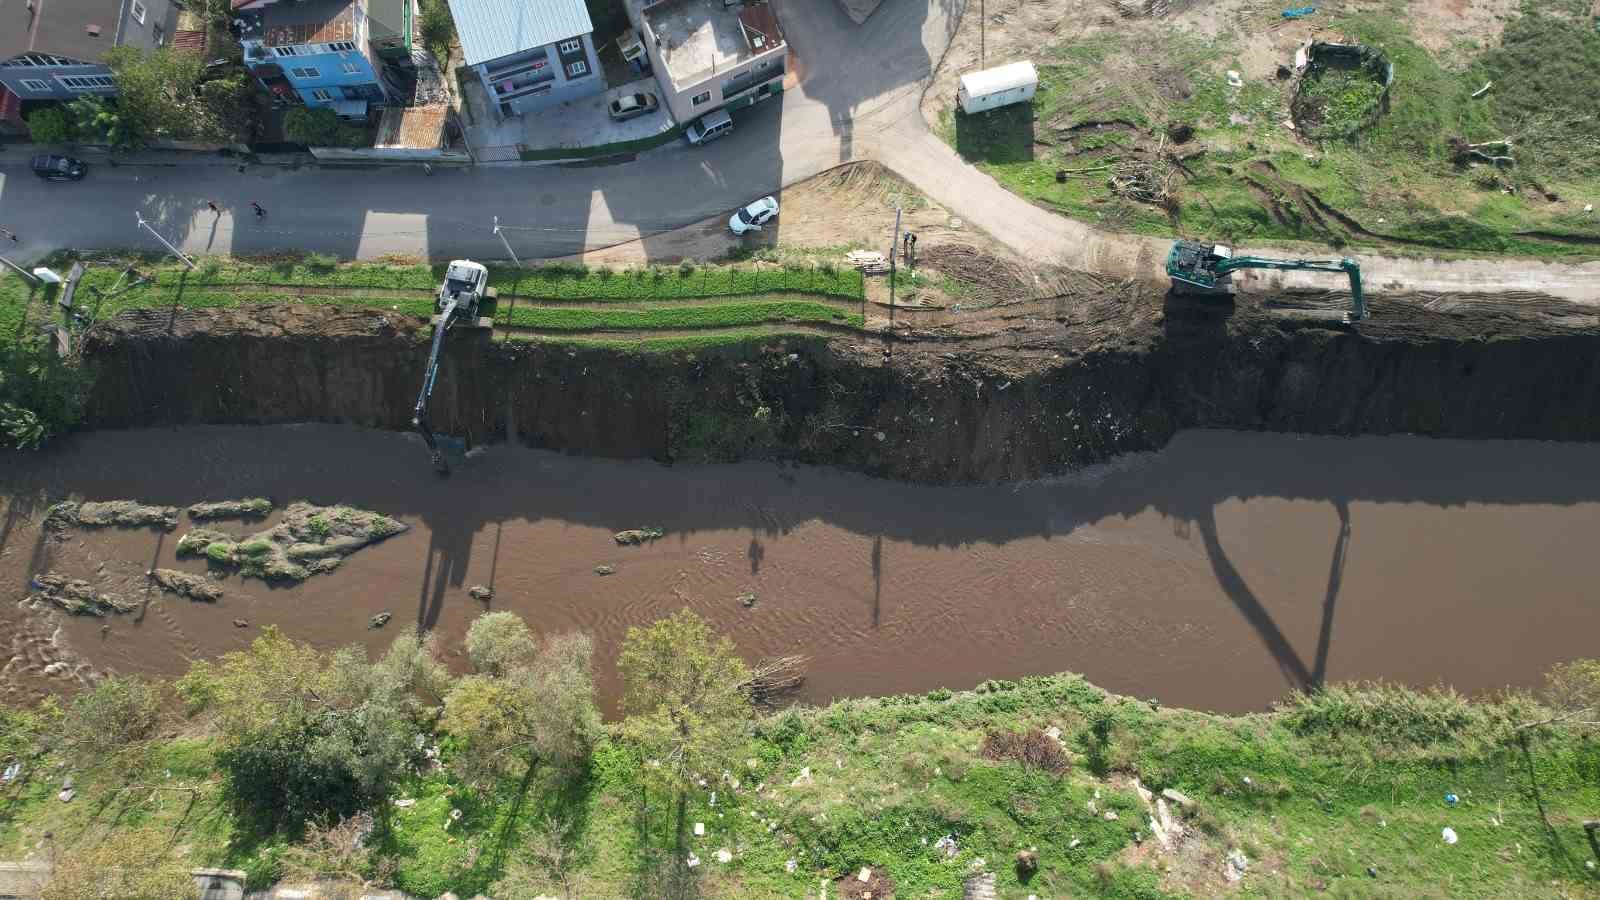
(501, 235)
(894, 254)
(166, 243)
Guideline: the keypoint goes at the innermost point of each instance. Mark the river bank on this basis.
(1366, 791)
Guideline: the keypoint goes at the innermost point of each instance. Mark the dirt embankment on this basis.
(1042, 386)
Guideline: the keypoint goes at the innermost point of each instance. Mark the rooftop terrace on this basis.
(701, 37)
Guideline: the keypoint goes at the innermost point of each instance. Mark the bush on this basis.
(126, 864)
(50, 126)
(112, 716)
(319, 126)
(1033, 748)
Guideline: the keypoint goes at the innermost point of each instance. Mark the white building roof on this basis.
(490, 29)
(999, 78)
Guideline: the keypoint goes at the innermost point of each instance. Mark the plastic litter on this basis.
(724, 855)
(1449, 835)
(11, 773)
(1451, 799)
(1235, 79)
(699, 829)
(1299, 12)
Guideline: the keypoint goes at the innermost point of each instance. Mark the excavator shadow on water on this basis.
(461, 297)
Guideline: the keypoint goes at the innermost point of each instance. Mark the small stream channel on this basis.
(1219, 573)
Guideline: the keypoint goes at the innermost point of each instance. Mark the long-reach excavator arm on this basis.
(466, 283)
(1203, 265)
(419, 417)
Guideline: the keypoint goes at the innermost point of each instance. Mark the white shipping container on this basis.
(997, 87)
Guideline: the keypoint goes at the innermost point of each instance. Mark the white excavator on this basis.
(466, 286)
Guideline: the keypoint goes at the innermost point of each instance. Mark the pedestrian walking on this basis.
(10, 234)
(212, 205)
(260, 213)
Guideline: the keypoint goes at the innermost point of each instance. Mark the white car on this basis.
(752, 217)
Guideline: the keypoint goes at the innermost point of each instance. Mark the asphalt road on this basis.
(857, 98)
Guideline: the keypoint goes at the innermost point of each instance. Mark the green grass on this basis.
(556, 281)
(1397, 179)
(723, 315)
(1314, 795)
(677, 344)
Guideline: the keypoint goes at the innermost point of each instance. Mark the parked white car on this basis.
(752, 217)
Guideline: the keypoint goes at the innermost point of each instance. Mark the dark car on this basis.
(51, 167)
(629, 105)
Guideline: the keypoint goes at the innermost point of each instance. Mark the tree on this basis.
(538, 707)
(50, 125)
(686, 709)
(135, 864)
(94, 119)
(314, 736)
(1573, 692)
(498, 642)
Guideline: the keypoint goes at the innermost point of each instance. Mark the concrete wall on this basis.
(563, 87)
(160, 19)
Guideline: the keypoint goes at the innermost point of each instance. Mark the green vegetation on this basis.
(438, 30)
(164, 94)
(680, 317)
(503, 781)
(320, 127)
(1107, 139)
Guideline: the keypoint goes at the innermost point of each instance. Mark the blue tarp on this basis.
(1299, 12)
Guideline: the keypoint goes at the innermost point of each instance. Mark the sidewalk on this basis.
(18, 154)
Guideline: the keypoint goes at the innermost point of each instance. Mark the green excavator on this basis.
(1206, 267)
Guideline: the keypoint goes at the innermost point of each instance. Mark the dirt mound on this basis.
(877, 885)
(310, 540)
(113, 513)
(287, 320)
(253, 508)
(77, 597)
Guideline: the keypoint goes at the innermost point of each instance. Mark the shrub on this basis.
(112, 716)
(50, 126)
(498, 642)
(126, 864)
(319, 126)
(1033, 748)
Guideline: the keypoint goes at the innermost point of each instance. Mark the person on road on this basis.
(212, 205)
(260, 213)
(10, 234)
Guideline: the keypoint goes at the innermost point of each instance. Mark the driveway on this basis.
(856, 98)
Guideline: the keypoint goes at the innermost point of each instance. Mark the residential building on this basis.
(711, 54)
(529, 54)
(55, 51)
(318, 52)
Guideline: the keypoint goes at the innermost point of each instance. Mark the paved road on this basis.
(858, 93)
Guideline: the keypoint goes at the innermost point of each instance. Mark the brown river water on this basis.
(1219, 573)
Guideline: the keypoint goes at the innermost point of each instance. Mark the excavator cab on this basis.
(1193, 264)
(466, 285)
(1205, 268)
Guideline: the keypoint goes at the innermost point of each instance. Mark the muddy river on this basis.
(1219, 573)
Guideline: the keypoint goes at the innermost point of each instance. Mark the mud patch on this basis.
(253, 508)
(110, 514)
(311, 540)
(76, 596)
(195, 587)
(876, 886)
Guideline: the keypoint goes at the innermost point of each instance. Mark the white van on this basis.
(709, 127)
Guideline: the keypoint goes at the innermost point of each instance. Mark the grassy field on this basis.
(552, 298)
(1400, 184)
(1343, 792)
